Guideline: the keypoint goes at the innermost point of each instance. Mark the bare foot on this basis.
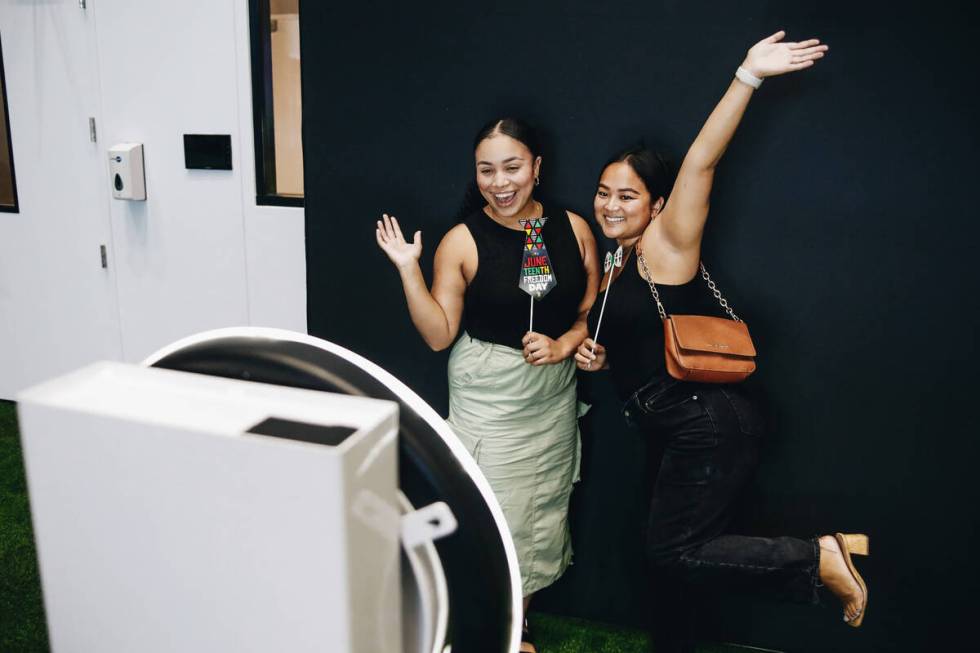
(838, 578)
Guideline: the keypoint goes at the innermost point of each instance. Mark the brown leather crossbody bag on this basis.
(702, 348)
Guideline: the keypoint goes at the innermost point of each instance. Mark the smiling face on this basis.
(505, 173)
(623, 205)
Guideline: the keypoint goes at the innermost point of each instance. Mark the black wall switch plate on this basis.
(207, 151)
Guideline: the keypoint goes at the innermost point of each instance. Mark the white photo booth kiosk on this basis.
(261, 490)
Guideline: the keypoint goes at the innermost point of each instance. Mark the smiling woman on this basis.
(8, 186)
(709, 431)
(511, 389)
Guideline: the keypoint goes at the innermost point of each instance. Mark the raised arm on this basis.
(435, 314)
(681, 223)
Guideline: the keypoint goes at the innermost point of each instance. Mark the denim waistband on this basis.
(655, 388)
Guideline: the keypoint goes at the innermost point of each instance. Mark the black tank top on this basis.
(632, 331)
(495, 309)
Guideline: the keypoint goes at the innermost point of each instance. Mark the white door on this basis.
(58, 308)
(168, 69)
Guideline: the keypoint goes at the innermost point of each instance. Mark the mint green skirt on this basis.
(520, 424)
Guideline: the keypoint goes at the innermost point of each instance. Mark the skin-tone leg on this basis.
(525, 646)
(835, 575)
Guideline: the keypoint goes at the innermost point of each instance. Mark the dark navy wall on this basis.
(841, 228)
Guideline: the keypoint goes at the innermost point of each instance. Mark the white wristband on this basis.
(746, 77)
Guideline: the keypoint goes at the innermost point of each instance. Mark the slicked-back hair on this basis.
(649, 165)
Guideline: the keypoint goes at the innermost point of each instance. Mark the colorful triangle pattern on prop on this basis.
(537, 276)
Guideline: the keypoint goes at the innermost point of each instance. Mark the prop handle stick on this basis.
(602, 310)
(531, 326)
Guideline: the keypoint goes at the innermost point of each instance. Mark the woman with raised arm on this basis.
(511, 390)
(709, 433)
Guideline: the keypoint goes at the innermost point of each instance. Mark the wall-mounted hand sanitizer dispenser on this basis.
(126, 171)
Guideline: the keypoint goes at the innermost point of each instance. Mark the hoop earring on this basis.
(537, 181)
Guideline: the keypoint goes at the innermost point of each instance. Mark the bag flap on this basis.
(712, 334)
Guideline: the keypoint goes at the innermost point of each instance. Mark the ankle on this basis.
(829, 557)
(828, 543)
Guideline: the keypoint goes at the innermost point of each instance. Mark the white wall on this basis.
(198, 253)
(57, 304)
(275, 237)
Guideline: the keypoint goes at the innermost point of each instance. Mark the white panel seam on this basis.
(113, 258)
(236, 36)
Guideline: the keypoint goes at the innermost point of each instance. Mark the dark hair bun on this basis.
(650, 166)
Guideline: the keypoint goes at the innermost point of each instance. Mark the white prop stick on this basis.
(610, 262)
(531, 326)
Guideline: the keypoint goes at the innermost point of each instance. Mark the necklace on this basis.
(534, 212)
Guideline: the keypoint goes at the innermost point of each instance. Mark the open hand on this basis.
(590, 356)
(539, 349)
(772, 56)
(390, 239)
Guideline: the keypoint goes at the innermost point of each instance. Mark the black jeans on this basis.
(710, 436)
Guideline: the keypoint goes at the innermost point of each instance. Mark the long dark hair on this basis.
(651, 167)
(517, 129)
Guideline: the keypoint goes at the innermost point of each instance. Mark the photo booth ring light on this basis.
(463, 591)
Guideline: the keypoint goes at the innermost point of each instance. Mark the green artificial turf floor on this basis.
(22, 611)
(568, 635)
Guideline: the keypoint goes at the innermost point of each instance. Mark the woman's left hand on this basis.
(539, 349)
(772, 56)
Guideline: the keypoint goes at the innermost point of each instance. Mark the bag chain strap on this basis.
(704, 275)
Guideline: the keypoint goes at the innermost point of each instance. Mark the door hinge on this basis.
(92, 135)
(81, 4)
(104, 255)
